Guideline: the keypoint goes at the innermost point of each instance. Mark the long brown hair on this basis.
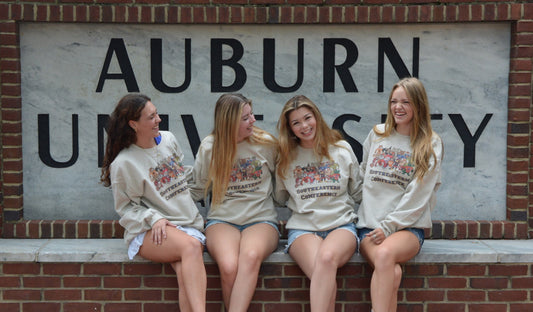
(228, 111)
(119, 134)
(421, 132)
(324, 137)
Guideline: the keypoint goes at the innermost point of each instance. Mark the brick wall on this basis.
(519, 219)
(146, 287)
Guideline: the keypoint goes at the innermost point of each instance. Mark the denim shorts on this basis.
(419, 233)
(294, 234)
(240, 227)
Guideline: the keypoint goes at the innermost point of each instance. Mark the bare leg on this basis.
(385, 259)
(320, 259)
(184, 304)
(257, 243)
(178, 246)
(223, 245)
(334, 252)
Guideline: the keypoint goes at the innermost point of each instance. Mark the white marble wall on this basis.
(463, 66)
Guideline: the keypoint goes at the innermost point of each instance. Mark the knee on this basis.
(326, 258)
(251, 258)
(384, 258)
(227, 268)
(397, 275)
(193, 248)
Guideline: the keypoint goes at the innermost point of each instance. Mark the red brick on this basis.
(9, 281)
(21, 294)
(425, 295)
(102, 268)
(160, 282)
(62, 295)
(487, 307)
(466, 270)
(9, 307)
(61, 268)
(488, 283)
(446, 282)
(41, 282)
(21, 268)
(123, 307)
(521, 282)
(42, 306)
(103, 294)
(122, 282)
(466, 295)
(143, 294)
(143, 269)
(81, 307)
(82, 282)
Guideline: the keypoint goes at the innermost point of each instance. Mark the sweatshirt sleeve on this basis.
(355, 182)
(418, 196)
(200, 173)
(280, 194)
(134, 217)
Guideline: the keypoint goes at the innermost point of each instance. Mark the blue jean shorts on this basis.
(419, 233)
(294, 234)
(240, 227)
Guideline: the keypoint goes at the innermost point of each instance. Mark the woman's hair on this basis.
(119, 133)
(288, 141)
(421, 132)
(228, 113)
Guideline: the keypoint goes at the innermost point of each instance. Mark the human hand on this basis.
(377, 236)
(159, 231)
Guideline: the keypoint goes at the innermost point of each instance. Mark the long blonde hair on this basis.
(228, 111)
(421, 132)
(324, 137)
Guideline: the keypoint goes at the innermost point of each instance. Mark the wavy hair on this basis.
(288, 141)
(228, 111)
(421, 131)
(119, 134)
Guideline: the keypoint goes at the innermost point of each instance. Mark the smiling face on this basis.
(147, 127)
(303, 124)
(246, 123)
(402, 110)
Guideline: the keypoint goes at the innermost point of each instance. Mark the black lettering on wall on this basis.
(217, 65)
(269, 67)
(343, 70)
(117, 47)
(103, 121)
(469, 140)
(338, 124)
(386, 47)
(43, 133)
(156, 48)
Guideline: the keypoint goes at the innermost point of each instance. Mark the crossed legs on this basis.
(386, 258)
(185, 255)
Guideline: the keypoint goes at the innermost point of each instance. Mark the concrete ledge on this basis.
(114, 250)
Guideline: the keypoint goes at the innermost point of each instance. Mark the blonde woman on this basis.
(141, 164)
(235, 164)
(401, 170)
(317, 175)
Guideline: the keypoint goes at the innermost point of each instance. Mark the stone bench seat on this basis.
(114, 250)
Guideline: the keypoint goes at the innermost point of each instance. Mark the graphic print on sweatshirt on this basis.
(166, 171)
(317, 179)
(391, 165)
(245, 175)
